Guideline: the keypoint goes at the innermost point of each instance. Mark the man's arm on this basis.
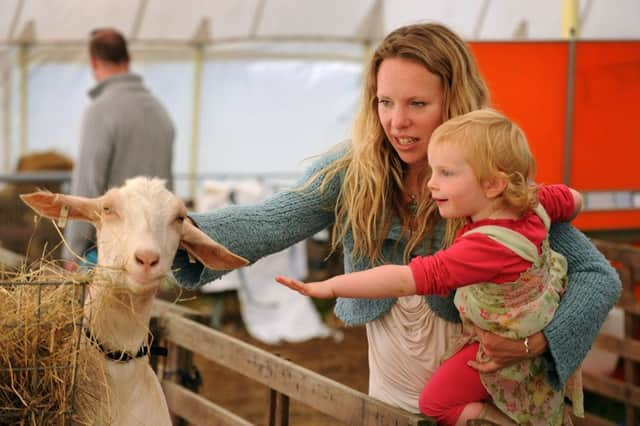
(255, 231)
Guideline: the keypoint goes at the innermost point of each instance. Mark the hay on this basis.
(46, 376)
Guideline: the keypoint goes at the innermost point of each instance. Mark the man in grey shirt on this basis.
(126, 132)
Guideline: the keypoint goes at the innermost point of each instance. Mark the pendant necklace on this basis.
(412, 205)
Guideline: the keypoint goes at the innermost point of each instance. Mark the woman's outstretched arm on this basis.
(255, 231)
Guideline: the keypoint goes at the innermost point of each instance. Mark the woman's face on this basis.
(410, 102)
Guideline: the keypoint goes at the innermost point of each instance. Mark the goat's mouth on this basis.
(145, 279)
(135, 280)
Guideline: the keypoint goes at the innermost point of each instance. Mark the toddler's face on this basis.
(454, 186)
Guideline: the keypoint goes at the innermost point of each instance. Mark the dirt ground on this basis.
(343, 360)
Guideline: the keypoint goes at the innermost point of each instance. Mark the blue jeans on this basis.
(90, 259)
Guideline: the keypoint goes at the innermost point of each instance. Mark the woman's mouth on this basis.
(407, 141)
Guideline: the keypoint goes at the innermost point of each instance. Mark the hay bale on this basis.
(19, 232)
(38, 161)
(46, 376)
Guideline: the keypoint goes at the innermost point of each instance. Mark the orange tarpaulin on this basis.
(528, 82)
(606, 126)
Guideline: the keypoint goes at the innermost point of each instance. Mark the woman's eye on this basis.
(180, 219)
(107, 210)
(384, 102)
(418, 104)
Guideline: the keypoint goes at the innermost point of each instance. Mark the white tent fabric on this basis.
(214, 21)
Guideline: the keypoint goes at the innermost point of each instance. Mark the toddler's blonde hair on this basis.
(494, 147)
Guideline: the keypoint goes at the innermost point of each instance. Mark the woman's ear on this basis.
(495, 186)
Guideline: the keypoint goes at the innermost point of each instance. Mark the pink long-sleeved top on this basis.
(477, 258)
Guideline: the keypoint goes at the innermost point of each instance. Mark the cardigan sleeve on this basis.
(255, 231)
(592, 289)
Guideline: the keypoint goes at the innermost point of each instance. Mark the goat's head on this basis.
(139, 227)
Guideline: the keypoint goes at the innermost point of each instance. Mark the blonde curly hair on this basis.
(372, 187)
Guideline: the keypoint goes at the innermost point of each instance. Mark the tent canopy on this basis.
(224, 21)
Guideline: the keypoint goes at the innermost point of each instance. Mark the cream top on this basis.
(406, 346)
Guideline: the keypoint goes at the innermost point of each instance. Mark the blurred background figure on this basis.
(125, 132)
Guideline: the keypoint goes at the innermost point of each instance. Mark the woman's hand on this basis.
(503, 352)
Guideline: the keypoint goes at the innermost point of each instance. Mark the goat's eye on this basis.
(109, 212)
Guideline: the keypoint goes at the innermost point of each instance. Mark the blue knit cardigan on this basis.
(255, 231)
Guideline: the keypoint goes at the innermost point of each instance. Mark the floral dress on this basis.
(517, 310)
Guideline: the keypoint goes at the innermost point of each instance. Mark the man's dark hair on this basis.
(108, 45)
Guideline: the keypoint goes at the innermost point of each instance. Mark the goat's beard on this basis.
(112, 308)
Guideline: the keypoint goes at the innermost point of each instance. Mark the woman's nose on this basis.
(400, 118)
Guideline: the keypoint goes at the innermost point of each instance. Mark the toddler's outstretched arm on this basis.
(379, 282)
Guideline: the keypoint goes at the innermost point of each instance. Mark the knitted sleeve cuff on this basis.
(592, 289)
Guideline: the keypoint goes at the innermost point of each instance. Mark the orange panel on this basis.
(606, 148)
(595, 221)
(528, 83)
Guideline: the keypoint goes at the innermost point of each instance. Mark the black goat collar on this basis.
(125, 356)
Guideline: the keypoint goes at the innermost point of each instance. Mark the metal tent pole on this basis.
(570, 29)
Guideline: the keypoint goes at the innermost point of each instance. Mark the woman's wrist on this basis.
(536, 345)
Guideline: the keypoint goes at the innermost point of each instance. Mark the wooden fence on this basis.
(184, 337)
(626, 260)
(285, 379)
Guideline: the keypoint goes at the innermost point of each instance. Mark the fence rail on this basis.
(626, 259)
(288, 380)
(284, 378)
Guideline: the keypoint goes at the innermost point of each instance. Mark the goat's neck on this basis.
(119, 319)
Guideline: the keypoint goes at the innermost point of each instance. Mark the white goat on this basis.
(139, 228)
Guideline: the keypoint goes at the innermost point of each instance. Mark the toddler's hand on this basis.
(317, 289)
(293, 284)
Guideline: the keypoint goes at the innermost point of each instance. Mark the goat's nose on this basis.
(147, 258)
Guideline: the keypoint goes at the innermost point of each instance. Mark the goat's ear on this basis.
(208, 252)
(51, 205)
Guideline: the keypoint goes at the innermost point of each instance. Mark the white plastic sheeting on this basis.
(271, 312)
(256, 117)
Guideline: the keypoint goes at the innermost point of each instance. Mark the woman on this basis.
(373, 190)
